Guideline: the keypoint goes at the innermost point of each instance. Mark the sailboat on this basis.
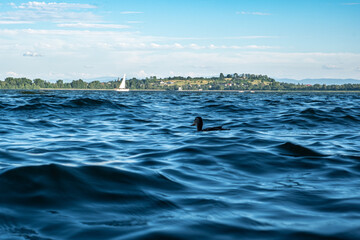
(122, 86)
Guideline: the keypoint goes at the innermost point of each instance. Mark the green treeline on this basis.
(222, 82)
(24, 83)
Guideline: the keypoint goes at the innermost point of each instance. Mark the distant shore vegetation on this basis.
(241, 82)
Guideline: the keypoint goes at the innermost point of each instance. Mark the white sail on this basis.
(122, 84)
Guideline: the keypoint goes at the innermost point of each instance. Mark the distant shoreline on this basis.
(229, 83)
(207, 91)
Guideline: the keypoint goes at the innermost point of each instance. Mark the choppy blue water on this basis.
(109, 165)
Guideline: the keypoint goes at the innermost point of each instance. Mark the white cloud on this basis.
(12, 74)
(255, 47)
(178, 46)
(259, 47)
(160, 46)
(331, 67)
(192, 46)
(15, 22)
(63, 41)
(155, 45)
(49, 16)
(51, 6)
(50, 12)
(196, 46)
(31, 54)
(253, 13)
(212, 46)
(114, 52)
(248, 47)
(92, 25)
(142, 74)
(130, 12)
(249, 37)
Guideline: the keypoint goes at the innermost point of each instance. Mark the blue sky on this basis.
(88, 39)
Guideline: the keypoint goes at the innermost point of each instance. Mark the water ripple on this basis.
(108, 165)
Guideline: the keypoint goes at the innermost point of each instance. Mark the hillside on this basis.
(221, 83)
(327, 81)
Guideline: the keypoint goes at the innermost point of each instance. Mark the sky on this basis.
(88, 39)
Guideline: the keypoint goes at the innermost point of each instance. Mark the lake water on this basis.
(110, 165)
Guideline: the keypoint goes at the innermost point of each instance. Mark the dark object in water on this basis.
(199, 124)
(298, 150)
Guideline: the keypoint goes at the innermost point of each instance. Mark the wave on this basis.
(84, 102)
(64, 103)
(92, 103)
(41, 200)
(60, 186)
(30, 107)
(106, 165)
(297, 150)
(312, 117)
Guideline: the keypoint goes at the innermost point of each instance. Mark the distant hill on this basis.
(248, 82)
(327, 81)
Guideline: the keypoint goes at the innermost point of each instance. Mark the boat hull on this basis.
(122, 90)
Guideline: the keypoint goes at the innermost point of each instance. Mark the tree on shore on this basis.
(232, 82)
